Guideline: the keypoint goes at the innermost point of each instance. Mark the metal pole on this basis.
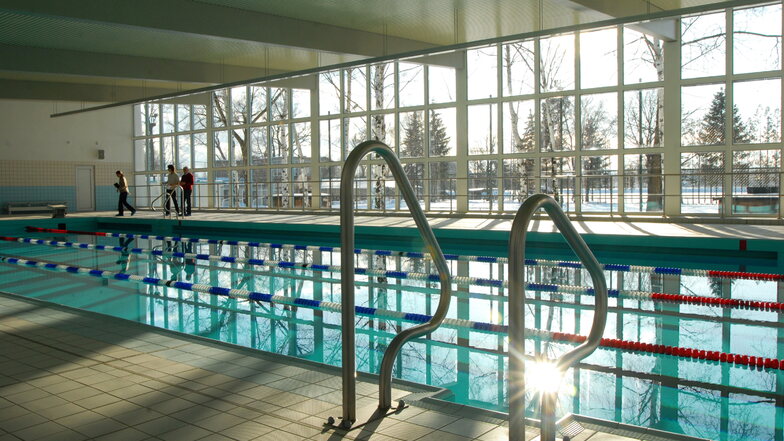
(517, 309)
(347, 277)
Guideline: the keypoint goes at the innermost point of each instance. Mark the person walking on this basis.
(172, 182)
(186, 182)
(122, 187)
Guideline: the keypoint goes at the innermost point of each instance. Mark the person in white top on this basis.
(122, 188)
(172, 182)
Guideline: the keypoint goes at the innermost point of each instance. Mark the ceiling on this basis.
(121, 50)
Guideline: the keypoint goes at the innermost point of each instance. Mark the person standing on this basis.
(122, 187)
(172, 182)
(186, 182)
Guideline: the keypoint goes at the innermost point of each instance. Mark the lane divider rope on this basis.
(748, 361)
(458, 257)
(467, 280)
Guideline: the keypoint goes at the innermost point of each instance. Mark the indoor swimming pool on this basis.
(686, 350)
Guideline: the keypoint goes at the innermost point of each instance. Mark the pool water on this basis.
(706, 399)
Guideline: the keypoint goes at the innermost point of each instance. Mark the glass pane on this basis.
(258, 104)
(416, 176)
(442, 132)
(412, 135)
(239, 146)
(757, 111)
(482, 129)
(184, 152)
(600, 184)
(199, 116)
(702, 115)
(300, 103)
(519, 126)
(482, 72)
(557, 63)
(755, 181)
(411, 84)
(756, 39)
(200, 150)
(279, 104)
(330, 140)
(300, 142)
(702, 45)
(558, 180)
(482, 185)
(702, 182)
(643, 118)
(239, 105)
(382, 86)
(643, 182)
(279, 143)
(519, 182)
(140, 123)
(167, 151)
(383, 188)
(599, 58)
(518, 68)
(643, 57)
(153, 120)
(330, 186)
(443, 186)
(599, 115)
(183, 117)
(259, 188)
(220, 145)
(382, 128)
(557, 126)
(356, 132)
(355, 89)
(258, 146)
(140, 155)
(280, 188)
(152, 155)
(169, 125)
(303, 188)
(329, 93)
(219, 110)
(441, 84)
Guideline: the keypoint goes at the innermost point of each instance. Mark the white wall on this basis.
(28, 133)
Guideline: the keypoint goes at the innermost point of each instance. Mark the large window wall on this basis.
(610, 120)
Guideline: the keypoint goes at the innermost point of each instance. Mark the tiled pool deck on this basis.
(70, 375)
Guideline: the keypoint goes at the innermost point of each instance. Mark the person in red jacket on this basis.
(186, 182)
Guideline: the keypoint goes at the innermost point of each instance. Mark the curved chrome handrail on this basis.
(516, 387)
(168, 198)
(347, 277)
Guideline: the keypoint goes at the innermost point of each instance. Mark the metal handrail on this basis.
(347, 279)
(168, 198)
(517, 285)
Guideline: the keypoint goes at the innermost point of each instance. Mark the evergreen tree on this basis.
(712, 126)
(527, 141)
(413, 144)
(439, 146)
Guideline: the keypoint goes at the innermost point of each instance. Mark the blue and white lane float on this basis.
(746, 361)
(418, 255)
(464, 280)
(244, 294)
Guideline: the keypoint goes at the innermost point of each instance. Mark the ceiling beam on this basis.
(218, 21)
(661, 29)
(60, 61)
(42, 90)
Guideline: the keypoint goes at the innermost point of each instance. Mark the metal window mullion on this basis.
(577, 189)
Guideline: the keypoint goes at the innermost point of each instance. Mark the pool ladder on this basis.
(167, 199)
(347, 281)
(517, 283)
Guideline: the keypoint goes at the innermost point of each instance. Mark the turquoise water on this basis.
(706, 399)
